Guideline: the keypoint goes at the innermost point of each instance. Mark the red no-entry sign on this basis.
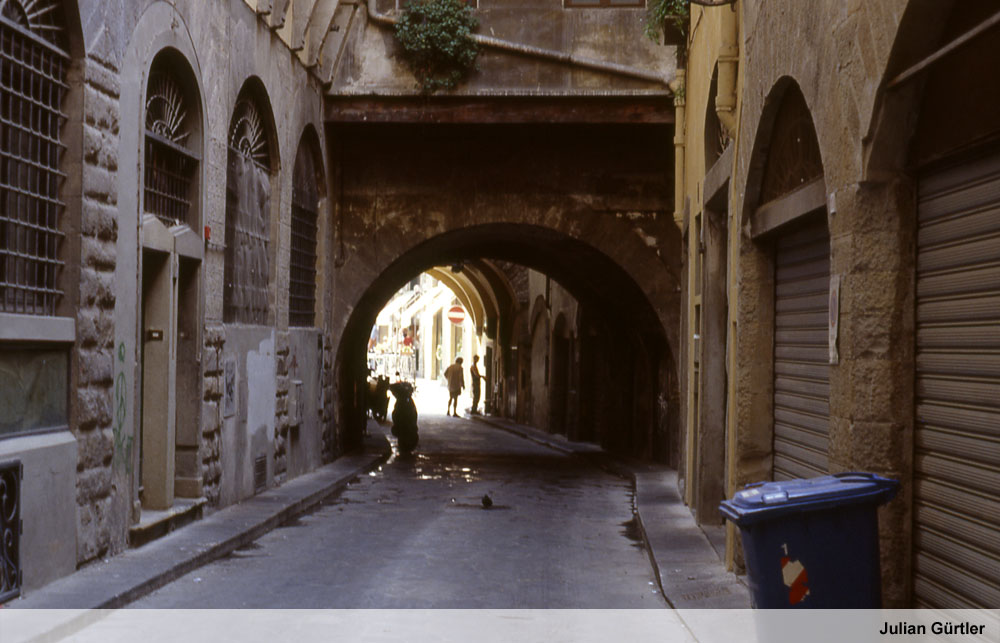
(456, 314)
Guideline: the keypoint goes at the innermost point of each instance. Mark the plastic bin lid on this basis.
(766, 500)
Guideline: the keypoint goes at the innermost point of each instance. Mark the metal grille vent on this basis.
(41, 17)
(302, 277)
(247, 136)
(32, 87)
(11, 474)
(260, 474)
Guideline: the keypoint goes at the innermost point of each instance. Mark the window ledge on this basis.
(36, 328)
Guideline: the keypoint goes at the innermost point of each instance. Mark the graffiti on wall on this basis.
(229, 389)
(123, 443)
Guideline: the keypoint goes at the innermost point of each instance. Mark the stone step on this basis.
(154, 524)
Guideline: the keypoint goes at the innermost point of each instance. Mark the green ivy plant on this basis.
(434, 35)
(670, 21)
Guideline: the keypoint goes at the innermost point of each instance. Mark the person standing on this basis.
(456, 382)
(476, 384)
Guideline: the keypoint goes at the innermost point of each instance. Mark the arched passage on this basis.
(626, 421)
(785, 209)
(934, 147)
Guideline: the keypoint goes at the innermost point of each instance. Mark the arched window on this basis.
(170, 163)
(33, 63)
(248, 221)
(793, 158)
(305, 204)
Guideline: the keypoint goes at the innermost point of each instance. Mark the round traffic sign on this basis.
(456, 314)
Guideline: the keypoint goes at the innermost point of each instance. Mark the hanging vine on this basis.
(434, 35)
(669, 21)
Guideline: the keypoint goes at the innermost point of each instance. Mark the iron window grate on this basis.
(302, 272)
(245, 294)
(11, 475)
(169, 173)
(31, 95)
(302, 280)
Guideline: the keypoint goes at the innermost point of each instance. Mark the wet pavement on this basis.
(414, 533)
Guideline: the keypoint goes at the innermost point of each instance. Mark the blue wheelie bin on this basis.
(812, 543)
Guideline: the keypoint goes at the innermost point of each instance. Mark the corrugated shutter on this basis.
(801, 351)
(957, 455)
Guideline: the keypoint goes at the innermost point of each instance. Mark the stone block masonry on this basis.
(211, 415)
(101, 531)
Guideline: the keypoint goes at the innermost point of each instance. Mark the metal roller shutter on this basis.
(957, 445)
(801, 352)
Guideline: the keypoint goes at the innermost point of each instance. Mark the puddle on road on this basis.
(445, 472)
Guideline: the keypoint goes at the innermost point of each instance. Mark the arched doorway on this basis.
(789, 224)
(935, 128)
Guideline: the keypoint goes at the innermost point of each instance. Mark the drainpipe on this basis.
(677, 88)
(545, 54)
(729, 56)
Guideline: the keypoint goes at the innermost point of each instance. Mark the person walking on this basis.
(476, 384)
(456, 382)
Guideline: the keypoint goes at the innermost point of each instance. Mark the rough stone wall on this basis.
(100, 529)
(281, 421)
(211, 411)
(837, 53)
(329, 436)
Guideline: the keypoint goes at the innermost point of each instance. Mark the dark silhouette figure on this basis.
(378, 397)
(404, 416)
(477, 380)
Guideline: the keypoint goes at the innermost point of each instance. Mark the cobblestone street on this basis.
(415, 534)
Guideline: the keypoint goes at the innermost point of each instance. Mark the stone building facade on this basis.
(839, 175)
(232, 189)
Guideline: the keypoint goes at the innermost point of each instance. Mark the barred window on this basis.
(248, 201)
(302, 277)
(170, 165)
(33, 63)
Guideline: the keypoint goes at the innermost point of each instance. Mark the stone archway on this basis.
(599, 283)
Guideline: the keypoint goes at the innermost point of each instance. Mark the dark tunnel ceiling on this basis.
(593, 278)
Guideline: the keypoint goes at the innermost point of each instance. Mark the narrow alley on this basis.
(698, 272)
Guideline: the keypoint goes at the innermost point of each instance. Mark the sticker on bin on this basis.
(795, 577)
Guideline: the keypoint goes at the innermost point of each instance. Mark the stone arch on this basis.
(173, 123)
(886, 144)
(788, 256)
(786, 122)
(152, 50)
(930, 154)
(595, 279)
